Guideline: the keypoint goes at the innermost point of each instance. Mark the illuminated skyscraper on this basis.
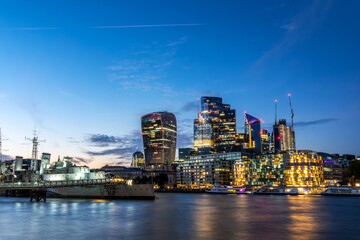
(159, 138)
(283, 137)
(215, 127)
(265, 141)
(253, 131)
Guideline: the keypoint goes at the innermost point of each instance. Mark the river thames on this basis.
(183, 216)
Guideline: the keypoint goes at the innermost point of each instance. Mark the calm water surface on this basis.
(183, 216)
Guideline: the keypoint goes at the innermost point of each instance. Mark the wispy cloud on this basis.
(185, 139)
(315, 122)
(191, 106)
(6, 157)
(79, 160)
(32, 28)
(150, 26)
(178, 42)
(296, 28)
(147, 70)
(122, 147)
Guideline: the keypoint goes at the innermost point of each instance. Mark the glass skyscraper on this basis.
(215, 127)
(253, 131)
(159, 133)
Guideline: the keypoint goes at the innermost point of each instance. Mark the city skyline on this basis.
(83, 81)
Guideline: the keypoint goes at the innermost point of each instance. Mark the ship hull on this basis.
(138, 191)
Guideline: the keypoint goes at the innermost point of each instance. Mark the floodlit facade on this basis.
(215, 127)
(159, 133)
(207, 170)
(266, 169)
(300, 169)
(304, 168)
(333, 170)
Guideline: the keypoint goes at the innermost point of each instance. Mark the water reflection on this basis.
(183, 216)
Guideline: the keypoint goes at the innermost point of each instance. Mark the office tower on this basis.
(186, 153)
(283, 137)
(215, 127)
(265, 141)
(159, 138)
(138, 160)
(253, 132)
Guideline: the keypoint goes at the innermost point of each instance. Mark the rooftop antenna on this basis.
(35, 141)
(275, 111)
(292, 113)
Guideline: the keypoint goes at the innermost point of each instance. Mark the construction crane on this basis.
(275, 111)
(292, 113)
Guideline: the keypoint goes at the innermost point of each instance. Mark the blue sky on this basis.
(83, 72)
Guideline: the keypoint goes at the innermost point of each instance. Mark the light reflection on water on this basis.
(183, 216)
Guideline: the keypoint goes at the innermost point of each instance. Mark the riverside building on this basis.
(300, 169)
(159, 133)
(207, 170)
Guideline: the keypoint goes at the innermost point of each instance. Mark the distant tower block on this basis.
(138, 160)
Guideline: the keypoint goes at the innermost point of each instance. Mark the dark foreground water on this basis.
(183, 216)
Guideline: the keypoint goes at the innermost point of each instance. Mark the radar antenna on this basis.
(35, 141)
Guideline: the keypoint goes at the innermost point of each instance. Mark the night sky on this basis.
(82, 73)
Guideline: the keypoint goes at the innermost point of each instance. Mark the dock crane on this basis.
(292, 113)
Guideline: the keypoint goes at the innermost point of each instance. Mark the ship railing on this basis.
(56, 184)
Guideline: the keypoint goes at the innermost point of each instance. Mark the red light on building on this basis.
(162, 130)
(142, 133)
(289, 94)
(278, 137)
(275, 100)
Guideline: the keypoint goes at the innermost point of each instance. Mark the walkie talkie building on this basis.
(159, 137)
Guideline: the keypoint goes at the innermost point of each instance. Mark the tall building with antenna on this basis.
(283, 136)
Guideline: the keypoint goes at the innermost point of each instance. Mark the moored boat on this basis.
(120, 191)
(223, 189)
(342, 191)
(267, 190)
